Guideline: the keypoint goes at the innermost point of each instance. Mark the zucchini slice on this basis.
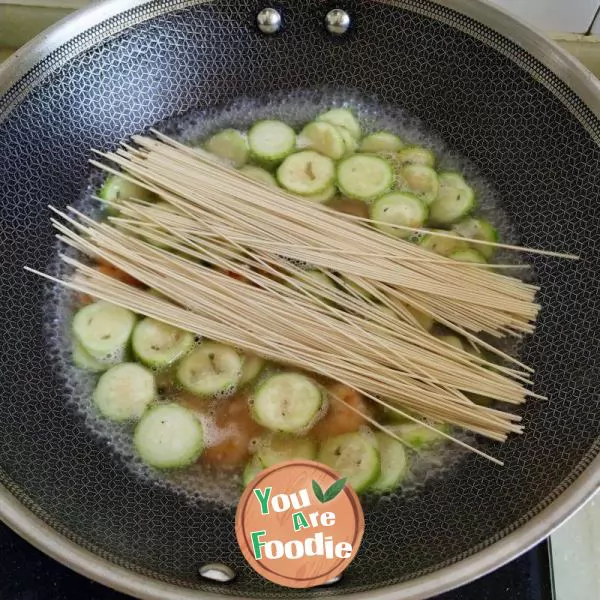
(271, 141)
(211, 368)
(324, 138)
(251, 470)
(418, 435)
(104, 329)
(306, 173)
(398, 208)
(159, 345)
(124, 392)
(365, 176)
(350, 142)
(259, 174)
(116, 189)
(357, 289)
(381, 141)
(277, 448)
(353, 456)
(451, 340)
(468, 255)
(444, 246)
(394, 463)
(322, 197)
(422, 181)
(342, 117)
(84, 360)
(455, 200)
(230, 145)
(251, 368)
(169, 436)
(425, 321)
(318, 278)
(286, 402)
(478, 229)
(415, 155)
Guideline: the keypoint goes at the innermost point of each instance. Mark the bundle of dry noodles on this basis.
(228, 255)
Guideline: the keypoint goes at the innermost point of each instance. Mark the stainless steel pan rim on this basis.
(38, 533)
(29, 526)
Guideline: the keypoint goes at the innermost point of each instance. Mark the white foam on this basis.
(199, 483)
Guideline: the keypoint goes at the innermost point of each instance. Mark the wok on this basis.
(527, 117)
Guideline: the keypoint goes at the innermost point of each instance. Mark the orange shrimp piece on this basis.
(232, 274)
(340, 419)
(237, 428)
(191, 401)
(107, 268)
(82, 299)
(350, 206)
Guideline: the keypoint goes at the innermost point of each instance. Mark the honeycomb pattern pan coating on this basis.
(523, 129)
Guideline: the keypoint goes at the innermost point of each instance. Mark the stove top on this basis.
(27, 574)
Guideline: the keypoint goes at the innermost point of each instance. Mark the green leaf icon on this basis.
(318, 491)
(333, 490)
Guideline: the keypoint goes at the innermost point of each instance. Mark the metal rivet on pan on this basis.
(269, 20)
(217, 572)
(332, 580)
(337, 21)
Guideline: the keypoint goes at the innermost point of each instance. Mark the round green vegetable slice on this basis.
(419, 436)
(451, 340)
(230, 145)
(306, 173)
(322, 197)
(394, 463)
(318, 278)
(169, 436)
(353, 456)
(103, 329)
(381, 141)
(398, 208)
(286, 402)
(271, 141)
(350, 141)
(468, 255)
(364, 176)
(342, 117)
(455, 200)
(211, 368)
(415, 155)
(259, 174)
(325, 138)
(251, 470)
(443, 246)
(422, 181)
(86, 361)
(252, 367)
(277, 448)
(124, 391)
(478, 229)
(159, 345)
(116, 189)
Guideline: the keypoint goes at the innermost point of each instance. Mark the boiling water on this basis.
(198, 483)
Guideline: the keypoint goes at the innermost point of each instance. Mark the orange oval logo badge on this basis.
(298, 524)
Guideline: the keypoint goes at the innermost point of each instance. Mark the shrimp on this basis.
(82, 299)
(340, 419)
(235, 429)
(349, 206)
(109, 269)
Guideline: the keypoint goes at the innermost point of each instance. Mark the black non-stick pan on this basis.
(527, 118)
